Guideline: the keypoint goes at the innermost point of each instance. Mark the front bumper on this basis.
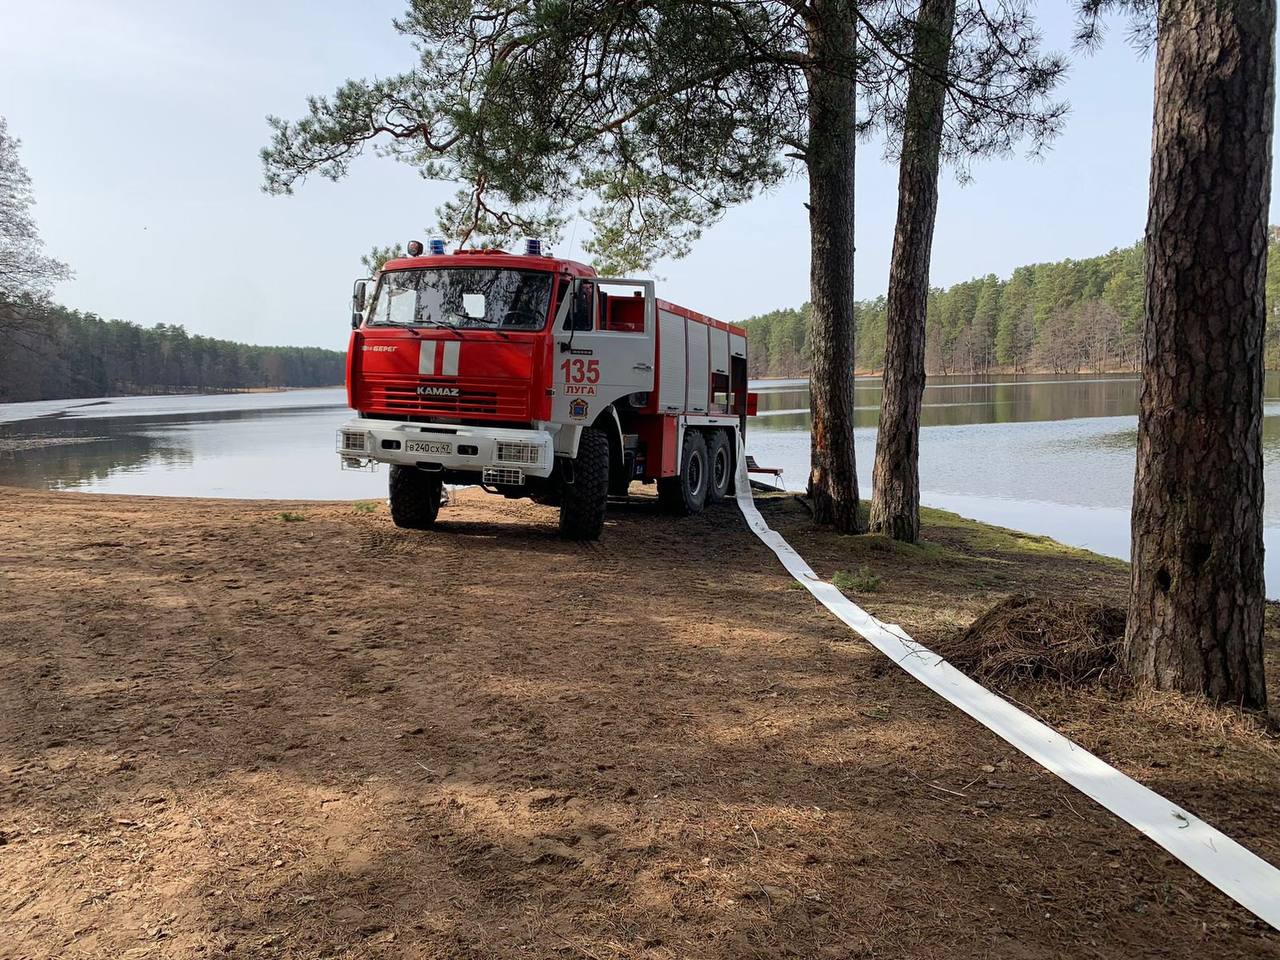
(499, 455)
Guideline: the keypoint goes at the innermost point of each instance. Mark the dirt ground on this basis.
(254, 729)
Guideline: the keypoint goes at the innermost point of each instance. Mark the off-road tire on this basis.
(583, 502)
(686, 492)
(720, 467)
(415, 498)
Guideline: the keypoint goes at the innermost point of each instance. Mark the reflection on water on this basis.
(277, 445)
(1053, 456)
(953, 401)
(1050, 455)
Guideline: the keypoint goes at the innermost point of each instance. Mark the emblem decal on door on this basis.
(578, 409)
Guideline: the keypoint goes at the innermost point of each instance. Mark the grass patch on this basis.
(289, 517)
(862, 580)
(364, 506)
(986, 538)
(914, 552)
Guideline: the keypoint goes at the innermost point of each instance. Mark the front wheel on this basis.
(686, 492)
(415, 498)
(583, 501)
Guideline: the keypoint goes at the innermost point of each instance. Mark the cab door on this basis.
(605, 331)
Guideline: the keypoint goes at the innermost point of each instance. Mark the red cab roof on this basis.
(515, 261)
(491, 258)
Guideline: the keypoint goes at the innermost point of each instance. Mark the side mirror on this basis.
(358, 302)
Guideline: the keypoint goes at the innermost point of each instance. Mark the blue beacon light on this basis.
(532, 248)
(437, 247)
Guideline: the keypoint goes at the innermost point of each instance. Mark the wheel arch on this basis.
(609, 423)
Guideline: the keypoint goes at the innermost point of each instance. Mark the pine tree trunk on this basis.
(895, 480)
(1195, 610)
(833, 477)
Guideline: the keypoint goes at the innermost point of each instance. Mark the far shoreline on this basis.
(765, 381)
(877, 374)
(193, 392)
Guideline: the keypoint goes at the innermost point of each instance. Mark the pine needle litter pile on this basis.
(1069, 642)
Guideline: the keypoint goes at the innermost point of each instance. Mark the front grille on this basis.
(487, 399)
(517, 451)
(502, 475)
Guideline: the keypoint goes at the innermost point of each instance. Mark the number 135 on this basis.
(581, 371)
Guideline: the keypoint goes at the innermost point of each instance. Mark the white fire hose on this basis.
(1239, 873)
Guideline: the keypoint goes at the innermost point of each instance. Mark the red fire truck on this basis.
(534, 377)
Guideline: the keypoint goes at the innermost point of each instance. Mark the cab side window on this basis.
(604, 306)
(626, 314)
(580, 315)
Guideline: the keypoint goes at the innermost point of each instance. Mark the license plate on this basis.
(437, 447)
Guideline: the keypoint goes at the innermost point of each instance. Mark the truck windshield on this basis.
(463, 297)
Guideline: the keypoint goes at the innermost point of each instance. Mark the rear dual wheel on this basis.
(720, 460)
(686, 492)
(706, 473)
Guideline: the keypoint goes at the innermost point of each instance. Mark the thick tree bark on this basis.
(895, 480)
(833, 476)
(1195, 610)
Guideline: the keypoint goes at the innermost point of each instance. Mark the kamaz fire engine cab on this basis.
(534, 377)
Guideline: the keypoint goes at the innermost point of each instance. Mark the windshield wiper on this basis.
(397, 323)
(492, 328)
(443, 326)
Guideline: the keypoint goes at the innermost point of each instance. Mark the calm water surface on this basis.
(1050, 455)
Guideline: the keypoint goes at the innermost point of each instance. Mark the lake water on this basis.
(1044, 454)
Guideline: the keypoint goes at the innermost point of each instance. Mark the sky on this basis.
(141, 122)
